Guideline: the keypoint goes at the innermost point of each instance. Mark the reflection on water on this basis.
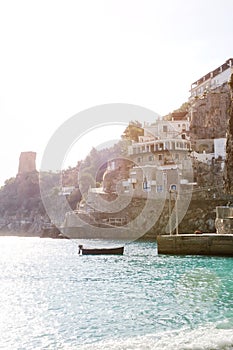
(53, 298)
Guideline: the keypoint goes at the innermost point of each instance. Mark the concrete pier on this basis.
(211, 244)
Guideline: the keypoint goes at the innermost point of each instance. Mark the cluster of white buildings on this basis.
(163, 157)
(212, 80)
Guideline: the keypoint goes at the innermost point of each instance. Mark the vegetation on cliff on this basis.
(90, 171)
(21, 192)
(133, 131)
(20, 197)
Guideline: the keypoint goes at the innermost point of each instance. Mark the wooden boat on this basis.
(100, 251)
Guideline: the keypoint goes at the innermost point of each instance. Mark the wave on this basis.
(218, 337)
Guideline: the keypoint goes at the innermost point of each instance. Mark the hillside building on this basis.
(164, 142)
(212, 80)
(161, 157)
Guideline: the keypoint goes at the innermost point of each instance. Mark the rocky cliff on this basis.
(228, 176)
(209, 114)
(21, 207)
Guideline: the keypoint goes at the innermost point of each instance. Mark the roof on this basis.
(179, 115)
(215, 72)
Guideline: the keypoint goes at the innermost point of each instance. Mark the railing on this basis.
(117, 221)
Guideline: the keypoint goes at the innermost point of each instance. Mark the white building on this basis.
(163, 142)
(220, 148)
(66, 191)
(212, 80)
(161, 157)
(164, 129)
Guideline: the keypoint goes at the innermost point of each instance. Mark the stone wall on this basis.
(199, 216)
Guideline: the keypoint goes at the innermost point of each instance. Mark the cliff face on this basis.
(209, 114)
(21, 207)
(228, 174)
(212, 117)
(111, 178)
(20, 204)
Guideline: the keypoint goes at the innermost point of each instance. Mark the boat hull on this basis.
(102, 251)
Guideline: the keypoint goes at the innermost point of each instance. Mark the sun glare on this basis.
(101, 136)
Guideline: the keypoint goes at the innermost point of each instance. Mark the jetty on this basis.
(211, 244)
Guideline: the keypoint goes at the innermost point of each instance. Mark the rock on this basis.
(228, 171)
(51, 231)
(209, 115)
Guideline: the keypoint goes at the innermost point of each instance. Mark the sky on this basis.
(59, 58)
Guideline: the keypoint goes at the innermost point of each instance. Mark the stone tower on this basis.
(27, 162)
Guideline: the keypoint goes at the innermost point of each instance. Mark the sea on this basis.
(53, 298)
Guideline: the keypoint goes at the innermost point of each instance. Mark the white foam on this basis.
(208, 338)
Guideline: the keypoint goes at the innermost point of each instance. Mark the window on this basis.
(150, 158)
(160, 157)
(146, 185)
(164, 128)
(159, 188)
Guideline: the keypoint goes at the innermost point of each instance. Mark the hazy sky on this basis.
(61, 57)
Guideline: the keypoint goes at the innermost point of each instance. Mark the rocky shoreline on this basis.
(200, 215)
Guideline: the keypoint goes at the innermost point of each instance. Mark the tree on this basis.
(133, 131)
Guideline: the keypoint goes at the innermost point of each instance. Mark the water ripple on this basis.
(51, 298)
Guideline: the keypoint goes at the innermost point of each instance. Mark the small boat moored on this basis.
(100, 251)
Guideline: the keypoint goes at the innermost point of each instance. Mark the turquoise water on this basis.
(51, 298)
